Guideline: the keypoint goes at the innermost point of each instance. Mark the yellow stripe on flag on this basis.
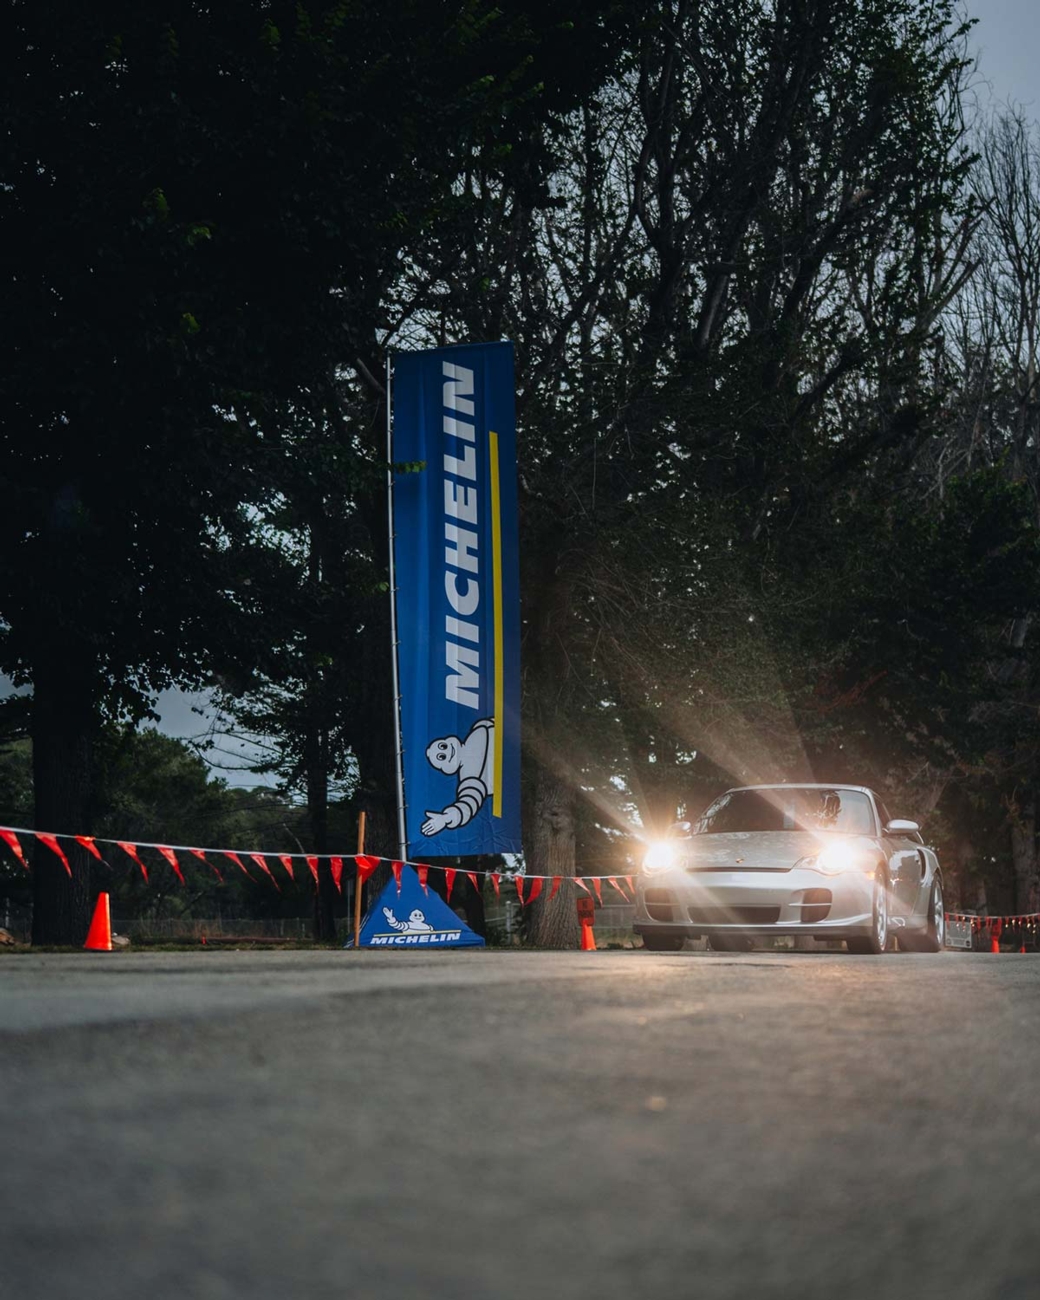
(500, 675)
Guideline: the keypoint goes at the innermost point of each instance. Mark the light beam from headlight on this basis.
(659, 856)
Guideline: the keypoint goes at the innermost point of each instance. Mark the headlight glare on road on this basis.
(833, 859)
(659, 856)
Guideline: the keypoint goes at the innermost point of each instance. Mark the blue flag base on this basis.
(413, 917)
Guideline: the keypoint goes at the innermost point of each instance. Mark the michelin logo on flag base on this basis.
(414, 918)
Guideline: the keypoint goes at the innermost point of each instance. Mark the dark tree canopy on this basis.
(200, 209)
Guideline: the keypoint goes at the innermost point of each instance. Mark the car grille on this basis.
(734, 915)
(659, 905)
(816, 904)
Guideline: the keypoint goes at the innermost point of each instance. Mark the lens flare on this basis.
(835, 858)
(659, 856)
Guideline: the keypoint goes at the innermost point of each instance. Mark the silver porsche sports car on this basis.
(821, 860)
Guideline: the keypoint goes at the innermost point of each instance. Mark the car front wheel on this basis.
(933, 937)
(662, 942)
(877, 940)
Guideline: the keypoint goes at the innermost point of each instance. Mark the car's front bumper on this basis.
(798, 901)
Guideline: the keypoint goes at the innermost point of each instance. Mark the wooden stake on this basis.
(357, 880)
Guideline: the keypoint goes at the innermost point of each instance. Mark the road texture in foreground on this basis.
(501, 1124)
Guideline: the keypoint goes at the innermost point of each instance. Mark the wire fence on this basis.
(504, 920)
(187, 930)
(613, 923)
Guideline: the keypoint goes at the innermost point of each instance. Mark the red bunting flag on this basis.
(11, 840)
(449, 882)
(599, 890)
(535, 890)
(202, 858)
(519, 882)
(51, 842)
(171, 858)
(131, 851)
(581, 884)
(473, 880)
(336, 864)
(614, 882)
(365, 867)
(397, 868)
(423, 873)
(312, 862)
(88, 843)
(631, 885)
(555, 887)
(237, 861)
(286, 862)
(261, 862)
(494, 881)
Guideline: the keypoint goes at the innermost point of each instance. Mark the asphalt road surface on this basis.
(217, 1126)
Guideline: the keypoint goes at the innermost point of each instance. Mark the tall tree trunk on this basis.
(63, 726)
(549, 818)
(551, 853)
(1024, 855)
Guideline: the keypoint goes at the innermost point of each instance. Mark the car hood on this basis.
(754, 850)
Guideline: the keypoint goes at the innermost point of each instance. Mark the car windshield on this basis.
(792, 809)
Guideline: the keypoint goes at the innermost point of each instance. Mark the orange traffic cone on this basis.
(588, 939)
(99, 936)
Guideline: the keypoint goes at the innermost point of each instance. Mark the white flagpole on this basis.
(402, 837)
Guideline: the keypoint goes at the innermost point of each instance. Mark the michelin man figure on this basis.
(473, 761)
(416, 923)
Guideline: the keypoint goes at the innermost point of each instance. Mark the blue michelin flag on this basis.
(414, 917)
(458, 604)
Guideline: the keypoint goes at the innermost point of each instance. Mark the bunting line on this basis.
(9, 835)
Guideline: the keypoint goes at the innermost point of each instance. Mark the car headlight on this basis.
(660, 856)
(833, 859)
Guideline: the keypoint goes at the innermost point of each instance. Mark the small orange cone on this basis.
(99, 936)
(588, 939)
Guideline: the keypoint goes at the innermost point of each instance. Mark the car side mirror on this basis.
(680, 830)
(900, 826)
